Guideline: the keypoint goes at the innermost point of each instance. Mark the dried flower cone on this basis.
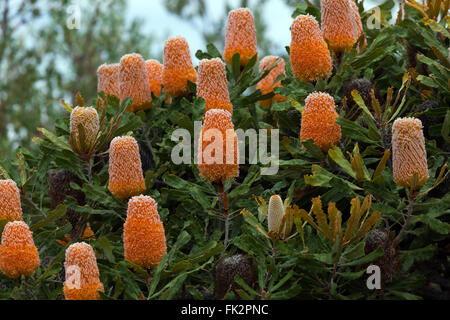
(240, 36)
(267, 84)
(133, 82)
(18, 254)
(10, 207)
(319, 121)
(144, 239)
(178, 68)
(408, 152)
(82, 275)
(87, 118)
(223, 165)
(125, 172)
(108, 79)
(338, 24)
(309, 54)
(212, 85)
(275, 213)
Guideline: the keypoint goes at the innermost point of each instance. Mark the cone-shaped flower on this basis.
(108, 79)
(310, 57)
(18, 254)
(240, 36)
(125, 172)
(212, 85)
(144, 240)
(218, 148)
(82, 275)
(178, 68)
(275, 213)
(408, 152)
(267, 84)
(133, 82)
(87, 118)
(319, 121)
(10, 208)
(338, 24)
(155, 71)
(358, 23)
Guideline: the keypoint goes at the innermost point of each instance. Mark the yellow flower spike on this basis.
(87, 118)
(108, 79)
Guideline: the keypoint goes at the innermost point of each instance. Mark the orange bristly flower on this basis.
(267, 84)
(240, 36)
(82, 275)
(338, 24)
(144, 240)
(108, 79)
(155, 71)
(358, 24)
(218, 152)
(319, 121)
(309, 54)
(18, 254)
(10, 208)
(212, 85)
(86, 117)
(125, 171)
(133, 82)
(409, 155)
(178, 68)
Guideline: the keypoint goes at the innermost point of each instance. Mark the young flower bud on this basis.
(409, 156)
(178, 68)
(82, 275)
(83, 139)
(319, 121)
(144, 239)
(133, 82)
(310, 58)
(275, 214)
(125, 171)
(10, 208)
(267, 84)
(212, 85)
(240, 36)
(108, 79)
(218, 147)
(18, 254)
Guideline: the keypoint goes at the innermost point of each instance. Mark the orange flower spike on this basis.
(267, 84)
(319, 121)
(218, 159)
(133, 82)
(18, 254)
(338, 24)
(309, 54)
(108, 79)
(87, 117)
(10, 208)
(358, 23)
(240, 36)
(212, 85)
(409, 155)
(82, 275)
(144, 239)
(178, 68)
(154, 71)
(126, 178)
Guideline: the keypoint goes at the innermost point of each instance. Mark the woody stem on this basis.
(223, 204)
(411, 198)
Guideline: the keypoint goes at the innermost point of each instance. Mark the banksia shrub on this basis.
(125, 172)
(82, 275)
(144, 240)
(108, 79)
(212, 85)
(240, 36)
(228, 268)
(178, 68)
(10, 207)
(154, 71)
(319, 121)
(84, 127)
(133, 82)
(18, 254)
(267, 84)
(309, 54)
(217, 159)
(409, 156)
(338, 24)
